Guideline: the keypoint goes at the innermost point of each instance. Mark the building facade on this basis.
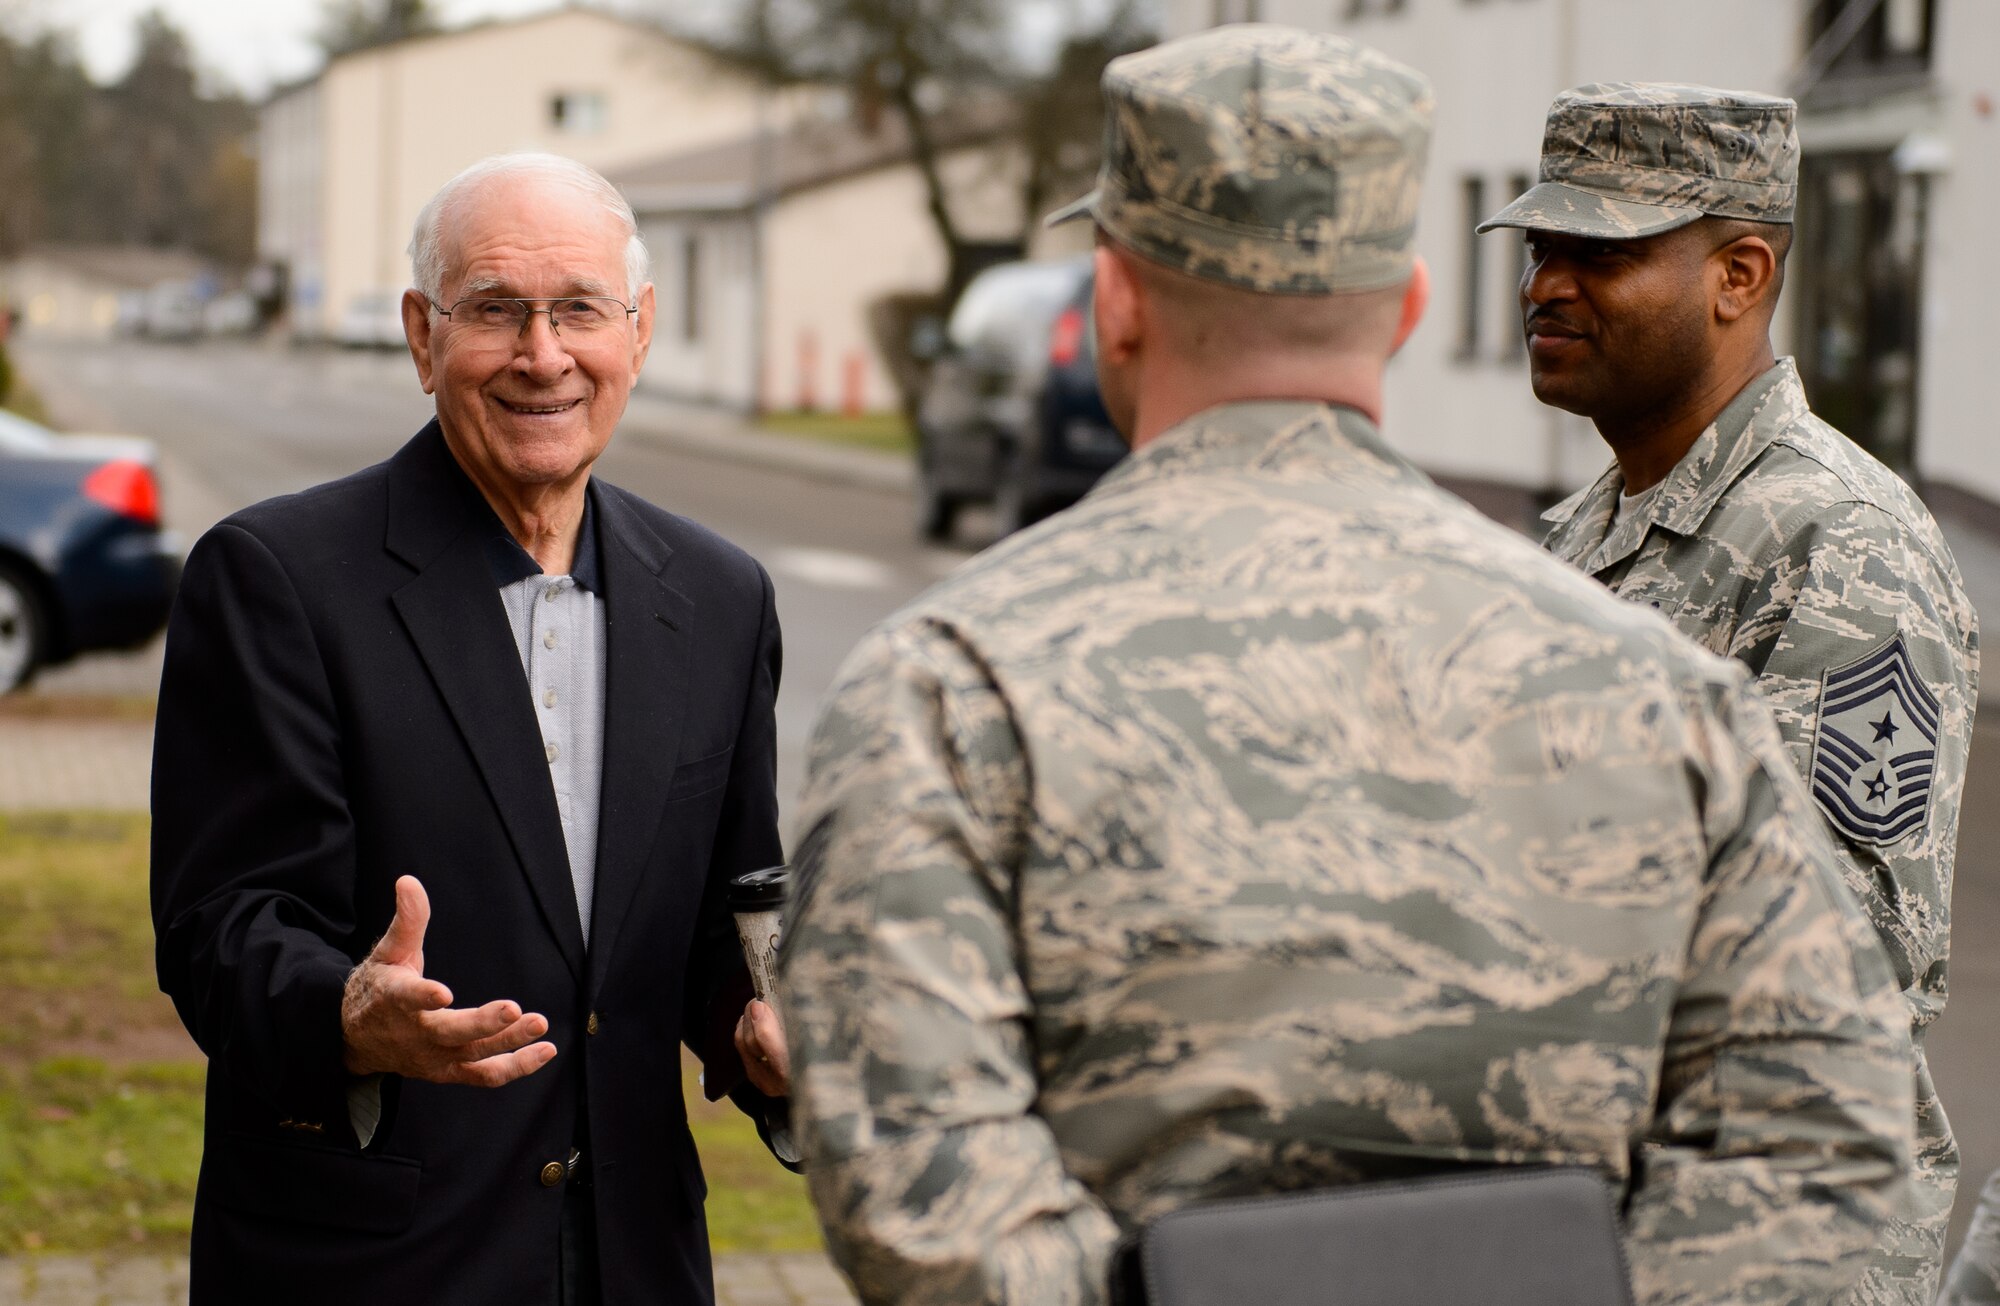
(1890, 302)
(348, 158)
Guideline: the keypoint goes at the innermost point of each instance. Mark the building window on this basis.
(1869, 38)
(1510, 315)
(1474, 191)
(691, 288)
(577, 113)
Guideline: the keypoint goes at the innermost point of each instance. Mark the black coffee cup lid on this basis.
(762, 890)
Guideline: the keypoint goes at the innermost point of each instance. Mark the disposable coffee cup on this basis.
(757, 899)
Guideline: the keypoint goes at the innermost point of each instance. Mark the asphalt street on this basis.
(238, 423)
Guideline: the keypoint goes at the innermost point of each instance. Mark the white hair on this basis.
(428, 246)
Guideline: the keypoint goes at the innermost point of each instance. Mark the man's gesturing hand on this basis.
(397, 1022)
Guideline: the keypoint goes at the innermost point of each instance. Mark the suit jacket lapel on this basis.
(453, 614)
(650, 626)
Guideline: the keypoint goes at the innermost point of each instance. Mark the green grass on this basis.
(100, 1090)
(889, 431)
(23, 401)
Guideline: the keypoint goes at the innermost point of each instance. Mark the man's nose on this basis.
(539, 350)
(1546, 280)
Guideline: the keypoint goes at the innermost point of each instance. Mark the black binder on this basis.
(1515, 1236)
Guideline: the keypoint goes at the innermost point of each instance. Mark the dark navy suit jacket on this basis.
(343, 704)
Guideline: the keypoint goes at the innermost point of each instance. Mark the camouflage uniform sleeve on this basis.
(913, 1078)
(1783, 1133)
(1974, 1279)
(1850, 583)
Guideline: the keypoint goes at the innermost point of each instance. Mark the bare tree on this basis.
(925, 61)
(349, 25)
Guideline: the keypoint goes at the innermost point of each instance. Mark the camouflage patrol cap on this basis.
(1621, 160)
(1264, 157)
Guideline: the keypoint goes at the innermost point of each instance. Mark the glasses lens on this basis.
(588, 314)
(491, 314)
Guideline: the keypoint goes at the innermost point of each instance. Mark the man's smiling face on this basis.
(536, 408)
(1615, 328)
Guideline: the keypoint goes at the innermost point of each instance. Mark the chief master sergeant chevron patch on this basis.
(1876, 750)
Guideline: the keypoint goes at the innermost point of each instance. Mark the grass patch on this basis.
(23, 401)
(754, 1204)
(33, 706)
(95, 1157)
(101, 1090)
(889, 431)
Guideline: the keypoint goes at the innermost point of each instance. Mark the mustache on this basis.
(1544, 321)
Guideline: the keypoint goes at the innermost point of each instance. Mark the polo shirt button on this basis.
(549, 699)
(552, 752)
(549, 640)
(552, 1174)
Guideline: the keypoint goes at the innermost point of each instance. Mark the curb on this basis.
(712, 433)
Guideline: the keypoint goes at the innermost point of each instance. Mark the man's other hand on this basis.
(760, 1040)
(397, 1022)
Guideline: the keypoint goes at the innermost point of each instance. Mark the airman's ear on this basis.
(1745, 273)
(1416, 298)
(1118, 304)
(417, 325)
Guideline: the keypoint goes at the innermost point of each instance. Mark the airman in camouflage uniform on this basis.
(1271, 820)
(1974, 1277)
(1770, 538)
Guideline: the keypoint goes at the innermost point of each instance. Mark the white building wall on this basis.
(400, 121)
(289, 202)
(1496, 65)
(710, 356)
(1961, 315)
(832, 251)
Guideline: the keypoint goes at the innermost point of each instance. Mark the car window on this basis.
(20, 436)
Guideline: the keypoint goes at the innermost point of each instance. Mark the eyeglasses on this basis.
(501, 317)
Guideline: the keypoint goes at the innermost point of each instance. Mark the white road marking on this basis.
(833, 569)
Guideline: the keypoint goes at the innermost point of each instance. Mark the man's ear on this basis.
(642, 336)
(1416, 298)
(1745, 273)
(1118, 306)
(417, 330)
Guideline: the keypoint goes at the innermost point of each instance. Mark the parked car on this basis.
(84, 564)
(1010, 413)
(371, 320)
(173, 311)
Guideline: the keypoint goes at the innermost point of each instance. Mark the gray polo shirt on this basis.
(558, 623)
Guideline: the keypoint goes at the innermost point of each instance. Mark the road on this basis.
(241, 423)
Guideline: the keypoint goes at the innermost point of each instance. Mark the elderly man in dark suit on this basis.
(454, 758)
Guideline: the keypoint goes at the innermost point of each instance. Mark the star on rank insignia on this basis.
(1876, 750)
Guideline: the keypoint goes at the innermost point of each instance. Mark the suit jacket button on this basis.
(552, 1174)
(590, 1026)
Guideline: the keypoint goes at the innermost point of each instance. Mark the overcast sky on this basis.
(253, 44)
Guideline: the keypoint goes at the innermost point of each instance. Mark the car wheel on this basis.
(23, 628)
(936, 510)
(1012, 509)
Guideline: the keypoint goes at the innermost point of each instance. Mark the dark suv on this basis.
(1010, 413)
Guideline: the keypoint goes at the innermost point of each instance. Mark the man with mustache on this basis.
(1656, 250)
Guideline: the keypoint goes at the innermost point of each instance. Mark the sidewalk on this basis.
(797, 1279)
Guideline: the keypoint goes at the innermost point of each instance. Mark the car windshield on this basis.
(20, 436)
(1009, 308)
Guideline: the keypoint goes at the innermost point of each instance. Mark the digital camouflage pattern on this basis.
(1974, 1277)
(1264, 157)
(1622, 160)
(1271, 820)
(1777, 542)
